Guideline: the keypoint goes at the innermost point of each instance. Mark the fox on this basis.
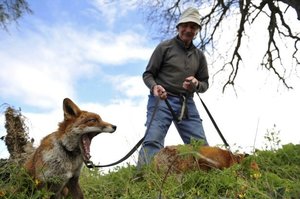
(57, 162)
(172, 159)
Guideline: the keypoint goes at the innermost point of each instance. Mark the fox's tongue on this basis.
(86, 143)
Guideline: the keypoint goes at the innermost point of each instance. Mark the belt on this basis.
(187, 95)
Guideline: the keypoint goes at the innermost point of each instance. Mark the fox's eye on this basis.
(91, 120)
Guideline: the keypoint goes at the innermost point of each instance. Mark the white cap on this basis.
(189, 15)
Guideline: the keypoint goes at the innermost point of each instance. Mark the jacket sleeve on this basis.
(153, 67)
(202, 74)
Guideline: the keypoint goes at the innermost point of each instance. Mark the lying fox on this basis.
(172, 160)
(62, 153)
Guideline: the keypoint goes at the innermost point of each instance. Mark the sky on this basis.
(95, 52)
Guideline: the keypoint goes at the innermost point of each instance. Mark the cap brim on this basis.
(189, 19)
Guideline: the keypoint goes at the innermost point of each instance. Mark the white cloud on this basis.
(131, 86)
(113, 10)
(42, 66)
(109, 48)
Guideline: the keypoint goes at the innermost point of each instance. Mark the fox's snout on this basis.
(114, 127)
(110, 128)
(107, 127)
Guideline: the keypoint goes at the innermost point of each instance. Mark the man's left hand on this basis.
(190, 83)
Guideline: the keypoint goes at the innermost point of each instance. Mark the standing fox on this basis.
(57, 162)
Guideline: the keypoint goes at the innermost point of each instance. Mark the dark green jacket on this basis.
(171, 63)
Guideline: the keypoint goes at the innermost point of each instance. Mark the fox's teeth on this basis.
(87, 151)
(88, 155)
(86, 142)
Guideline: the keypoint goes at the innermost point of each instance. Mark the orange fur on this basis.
(57, 162)
(172, 159)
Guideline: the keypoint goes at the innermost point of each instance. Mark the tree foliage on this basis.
(246, 13)
(12, 10)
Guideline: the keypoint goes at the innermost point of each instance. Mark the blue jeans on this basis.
(189, 128)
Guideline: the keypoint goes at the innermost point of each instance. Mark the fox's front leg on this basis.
(74, 188)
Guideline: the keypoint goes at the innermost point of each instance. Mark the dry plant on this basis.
(17, 141)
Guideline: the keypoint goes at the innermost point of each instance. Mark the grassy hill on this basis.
(278, 177)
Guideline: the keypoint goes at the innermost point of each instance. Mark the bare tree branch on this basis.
(247, 13)
(244, 10)
(294, 4)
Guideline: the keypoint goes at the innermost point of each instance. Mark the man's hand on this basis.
(190, 83)
(160, 92)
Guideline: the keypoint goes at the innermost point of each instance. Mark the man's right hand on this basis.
(160, 92)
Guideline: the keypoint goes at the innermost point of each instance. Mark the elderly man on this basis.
(175, 71)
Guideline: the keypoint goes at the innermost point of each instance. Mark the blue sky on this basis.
(95, 53)
(97, 45)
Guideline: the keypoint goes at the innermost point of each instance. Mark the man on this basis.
(175, 71)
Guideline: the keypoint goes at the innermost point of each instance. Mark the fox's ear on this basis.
(71, 110)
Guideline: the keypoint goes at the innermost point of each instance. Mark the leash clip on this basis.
(89, 164)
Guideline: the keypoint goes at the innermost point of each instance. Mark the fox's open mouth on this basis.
(86, 140)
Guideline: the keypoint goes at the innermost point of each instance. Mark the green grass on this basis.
(278, 177)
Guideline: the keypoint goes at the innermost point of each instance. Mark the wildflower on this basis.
(37, 182)
(255, 175)
(241, 195)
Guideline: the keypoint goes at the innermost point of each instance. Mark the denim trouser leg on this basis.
(156, 132)
(191, 128)
(188, 128)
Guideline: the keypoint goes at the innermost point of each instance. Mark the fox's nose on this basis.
(114, 127)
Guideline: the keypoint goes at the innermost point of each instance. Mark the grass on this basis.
(278, 177)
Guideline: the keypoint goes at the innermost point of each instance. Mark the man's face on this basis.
(187, 31)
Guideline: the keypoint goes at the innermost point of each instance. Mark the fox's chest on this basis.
(62, 163)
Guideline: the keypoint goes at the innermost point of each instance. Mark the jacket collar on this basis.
(181, 43)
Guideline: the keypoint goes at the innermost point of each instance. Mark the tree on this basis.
(164, 14)
(12, 10)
